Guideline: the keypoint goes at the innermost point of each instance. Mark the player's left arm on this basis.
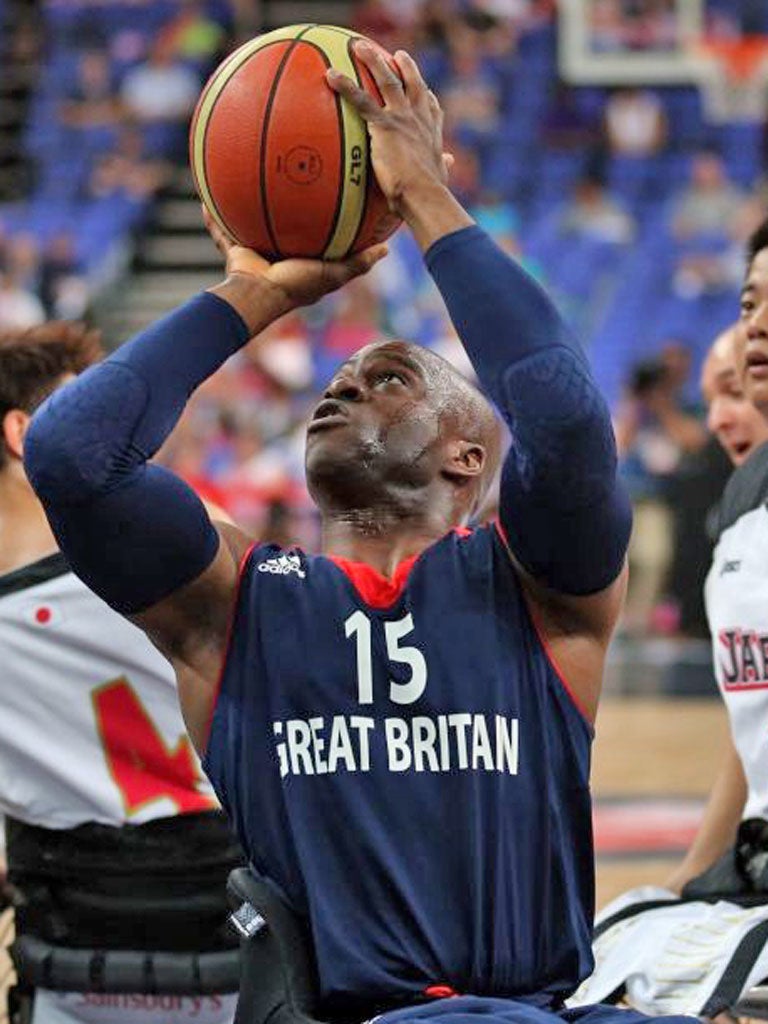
(565, 516)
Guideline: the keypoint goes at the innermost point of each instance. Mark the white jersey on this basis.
(675, 957)
(90, 728)
(736, 596)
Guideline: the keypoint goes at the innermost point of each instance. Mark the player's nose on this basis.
(718, 417)
(345, 389)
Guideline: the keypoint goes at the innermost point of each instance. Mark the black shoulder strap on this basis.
(746, 490)
(734, 977)
(34, 574)
(631, 911)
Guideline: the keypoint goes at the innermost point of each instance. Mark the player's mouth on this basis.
(329, 413)
(740, 450)
(757, 363)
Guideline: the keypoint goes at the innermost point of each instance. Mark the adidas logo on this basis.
(284, 565)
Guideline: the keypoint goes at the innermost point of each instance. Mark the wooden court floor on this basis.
(644, 747)
(652, 747)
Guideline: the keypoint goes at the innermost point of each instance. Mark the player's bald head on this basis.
(400, 428)
(724, 349)
(464, 411)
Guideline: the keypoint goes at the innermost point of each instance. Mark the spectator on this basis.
(592, 213)
(356, 320)
(653, 431)
(127, 171)
(161, 89)
(63, 290)
(635, 123)
(378, 20)
(193, 35)
(23, 260)
(18, 306)
(471, 93)
(567, 128)
(92, 101)
(710, 202)
(465, 173)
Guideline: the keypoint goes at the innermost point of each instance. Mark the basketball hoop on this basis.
(734, 77)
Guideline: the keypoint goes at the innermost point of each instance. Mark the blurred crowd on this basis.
(115, 86)
(624, 202)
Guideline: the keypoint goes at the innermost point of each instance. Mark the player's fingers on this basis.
(436, 110)
(388, 81)
(360, 263)
(222, 242)
(364, 104)
(415, 87)
(448, 161)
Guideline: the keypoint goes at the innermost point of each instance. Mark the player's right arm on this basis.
(717, 831)
(132, 531)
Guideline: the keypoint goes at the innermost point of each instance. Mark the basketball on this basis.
(279, 160)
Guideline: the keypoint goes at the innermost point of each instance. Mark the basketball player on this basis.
(734, 384)
(655, 952)
(106, 803)
(743, 432)
(402, 724)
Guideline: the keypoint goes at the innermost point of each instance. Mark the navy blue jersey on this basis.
(402, 759)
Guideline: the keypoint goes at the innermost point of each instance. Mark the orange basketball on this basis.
(280, 161)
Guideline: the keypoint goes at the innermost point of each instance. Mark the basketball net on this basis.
(734, 78)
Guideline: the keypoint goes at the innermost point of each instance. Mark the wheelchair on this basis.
(41, 964)
(279, 977)
(88, 920)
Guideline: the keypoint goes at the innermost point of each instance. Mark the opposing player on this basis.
(107, 806)
(658, 953)
(402, 726)
(736, 610)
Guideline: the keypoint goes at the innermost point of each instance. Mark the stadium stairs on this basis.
(18, 61)
(174, 259)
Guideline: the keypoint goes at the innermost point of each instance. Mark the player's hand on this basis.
(406, 132)
(290, 283)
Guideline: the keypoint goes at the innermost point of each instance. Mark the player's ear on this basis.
(464, 460)
(15, 423)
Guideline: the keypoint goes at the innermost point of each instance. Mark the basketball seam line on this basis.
(342, 151)
(264, 133)
(219, 214)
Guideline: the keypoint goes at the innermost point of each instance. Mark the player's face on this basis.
(753, 348)
(377, 424)
(731, 417)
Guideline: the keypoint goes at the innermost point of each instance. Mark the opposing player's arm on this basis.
(566, 518)
(717, 831)
(133, 531)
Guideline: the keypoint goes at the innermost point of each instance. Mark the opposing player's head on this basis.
(736, 423)
(400, 431)
(753, 350)
(33, 363)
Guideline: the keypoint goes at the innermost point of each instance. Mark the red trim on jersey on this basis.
(440, 992)
(376, 589)
(558, 671)
(228, 642)
(542, 639)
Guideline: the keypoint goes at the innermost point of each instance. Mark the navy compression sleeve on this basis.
(566, 516)
(133, 532)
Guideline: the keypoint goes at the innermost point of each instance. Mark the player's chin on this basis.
(756, 387)
(331, 443)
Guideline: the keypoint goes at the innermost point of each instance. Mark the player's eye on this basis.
(746, 307)
(387, 376)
